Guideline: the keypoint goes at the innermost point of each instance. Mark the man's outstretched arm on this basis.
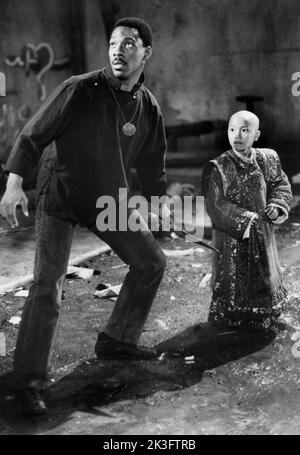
(46, 125)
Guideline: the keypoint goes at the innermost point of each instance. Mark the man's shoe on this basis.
(31, 402)
(109, 348)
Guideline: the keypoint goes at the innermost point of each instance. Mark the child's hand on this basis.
(272, 212)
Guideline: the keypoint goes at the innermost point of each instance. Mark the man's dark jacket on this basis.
(89, 156)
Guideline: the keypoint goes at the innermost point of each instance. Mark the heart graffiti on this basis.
(40, 59)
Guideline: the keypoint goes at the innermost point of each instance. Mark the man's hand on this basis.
(272, 212)
(13, 196)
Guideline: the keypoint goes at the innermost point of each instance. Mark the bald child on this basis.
(243, 131)
(248, 194)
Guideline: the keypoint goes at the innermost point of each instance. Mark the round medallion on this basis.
(129, 129)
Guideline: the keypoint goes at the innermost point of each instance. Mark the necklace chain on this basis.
(118, 104)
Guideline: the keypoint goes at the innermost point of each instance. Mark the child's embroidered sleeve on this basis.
(225, 215)
(279, 188)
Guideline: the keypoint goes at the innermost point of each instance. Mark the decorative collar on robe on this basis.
(243, 158)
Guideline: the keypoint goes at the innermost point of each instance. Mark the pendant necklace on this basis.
(128, 128)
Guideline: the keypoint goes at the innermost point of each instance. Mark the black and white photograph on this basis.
(149, 220)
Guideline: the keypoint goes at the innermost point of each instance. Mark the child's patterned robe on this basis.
(247, 282)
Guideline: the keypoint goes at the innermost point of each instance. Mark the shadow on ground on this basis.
(94, 384)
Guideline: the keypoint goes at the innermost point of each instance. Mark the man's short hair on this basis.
(144, 29)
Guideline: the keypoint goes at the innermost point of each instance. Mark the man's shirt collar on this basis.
(116, 83)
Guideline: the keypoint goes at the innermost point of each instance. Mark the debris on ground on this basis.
(7, 291)
(14, 320)
(205, 280)
(189, 359)
(180, 253)
(109, 291)
(22, 293)
(197, 265)
(80, 272)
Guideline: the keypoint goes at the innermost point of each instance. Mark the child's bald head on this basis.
(247, 116)
(243, 130)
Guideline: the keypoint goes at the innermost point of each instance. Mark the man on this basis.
(99, 125)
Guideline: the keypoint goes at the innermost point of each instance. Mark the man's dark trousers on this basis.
(36, 335)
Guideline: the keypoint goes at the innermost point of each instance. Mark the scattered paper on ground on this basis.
(80, 272)
(196, 265)
(189, 359)
(181, 253)
(23, 293)
(111, 291)
(15, 320)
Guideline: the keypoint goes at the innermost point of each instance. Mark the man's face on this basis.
(242, 132)
(127, 54)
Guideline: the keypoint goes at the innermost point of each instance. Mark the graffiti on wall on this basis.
(38, 59)
(32, 59)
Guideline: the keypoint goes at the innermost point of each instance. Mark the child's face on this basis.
(242, 132)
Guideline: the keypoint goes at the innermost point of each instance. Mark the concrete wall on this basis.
(73, 28)
(206, 52)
